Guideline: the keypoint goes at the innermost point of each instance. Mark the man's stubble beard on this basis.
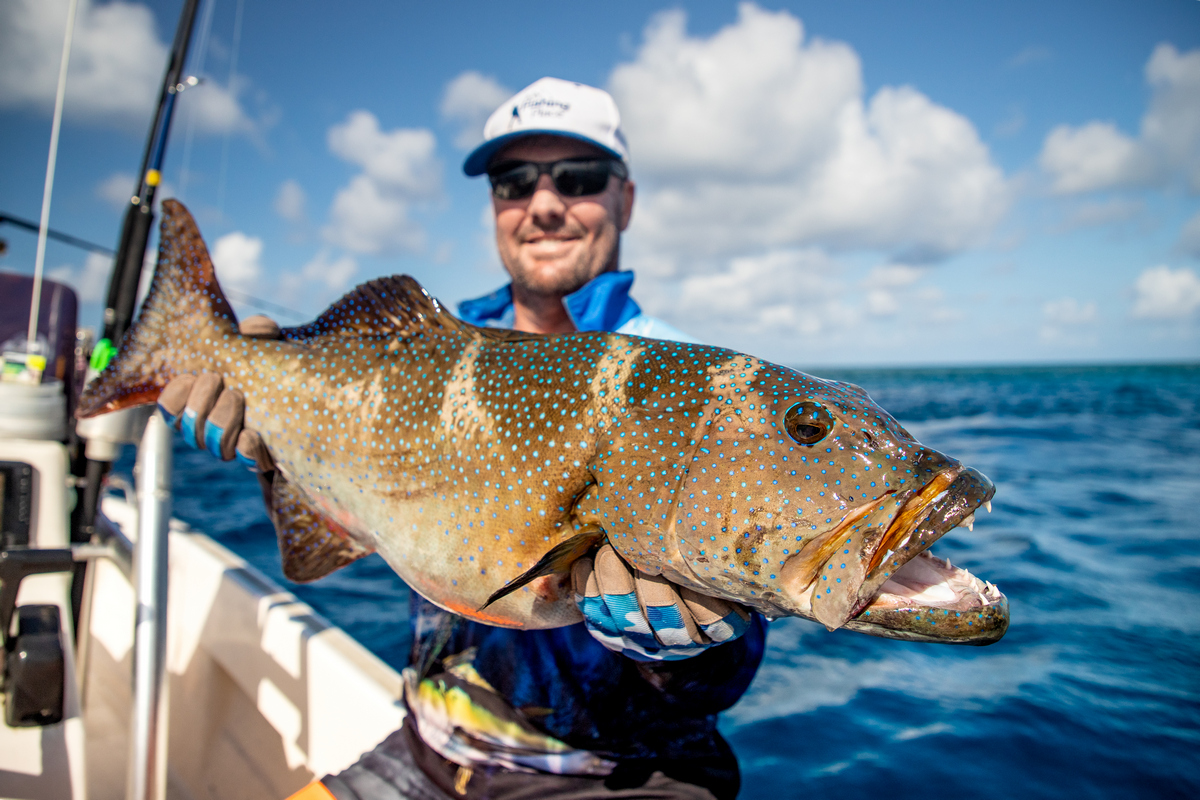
(563, 279)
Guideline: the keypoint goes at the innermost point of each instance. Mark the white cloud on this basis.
(116, 68)
(216, 109)
(1068, 311)
(117, 58)
(1096, 155)
(882, 303)
(290, 202)
(335, 273)
(402, 159)
(366, 219)
(1189, 237)
(1164, 293)
(1013, 124)
(1112, 210)
(319, 281)
(884, 286)
(760, 156)
(89, 281)
(1059, 317)
(371, 214)
(1030, 55)
(895, 275)
(236, 258)
(1172, 125)
(795, 291)
(116, 189)
(755, 138)
(801, 305)
(443, 253)
(468, 101)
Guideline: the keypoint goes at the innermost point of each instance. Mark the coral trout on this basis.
(481, 463)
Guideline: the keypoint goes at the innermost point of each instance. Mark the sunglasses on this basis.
(572, 177)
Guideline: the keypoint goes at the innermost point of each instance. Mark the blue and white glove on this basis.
(210, 417)
(646, 617)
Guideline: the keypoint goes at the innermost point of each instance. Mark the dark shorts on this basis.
(403, 766)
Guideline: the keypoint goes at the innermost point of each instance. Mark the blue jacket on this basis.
(603, 304)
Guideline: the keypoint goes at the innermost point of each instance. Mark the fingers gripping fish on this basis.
(482, 463)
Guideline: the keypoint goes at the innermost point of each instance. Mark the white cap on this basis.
(556, 107)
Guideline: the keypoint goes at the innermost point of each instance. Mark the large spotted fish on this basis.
(480, 463)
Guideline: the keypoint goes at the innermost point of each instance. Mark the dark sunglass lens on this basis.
(579, 178)
(515, 182)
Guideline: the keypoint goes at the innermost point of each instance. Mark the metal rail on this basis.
(148, 757)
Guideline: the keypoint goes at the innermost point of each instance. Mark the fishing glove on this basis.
(211, 416)
(646, 617)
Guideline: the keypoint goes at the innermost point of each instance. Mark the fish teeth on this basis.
(988, 506)
(969, 522)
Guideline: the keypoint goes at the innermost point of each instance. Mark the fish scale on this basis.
(479, 463)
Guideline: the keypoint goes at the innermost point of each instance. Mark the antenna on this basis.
(35, 303)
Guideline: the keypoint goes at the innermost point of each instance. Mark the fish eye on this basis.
(807, 422)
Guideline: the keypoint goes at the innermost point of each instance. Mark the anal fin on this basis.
(311, 545)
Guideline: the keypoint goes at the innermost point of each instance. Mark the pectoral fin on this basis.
(311, 545)
(557, 561)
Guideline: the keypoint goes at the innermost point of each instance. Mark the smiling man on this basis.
(623, 704)
(553, 245)
(562, 195)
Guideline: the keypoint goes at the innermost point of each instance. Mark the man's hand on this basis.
(211, 416)
(647, 617)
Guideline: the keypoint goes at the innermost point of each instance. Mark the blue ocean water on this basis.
(1094, 692)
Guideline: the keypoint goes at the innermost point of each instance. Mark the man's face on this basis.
(552, 245)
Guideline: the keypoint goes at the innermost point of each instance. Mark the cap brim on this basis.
(479, 158)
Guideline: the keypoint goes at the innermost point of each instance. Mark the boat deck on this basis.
(263, 694)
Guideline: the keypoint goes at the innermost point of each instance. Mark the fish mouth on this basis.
(909, 593)
(930, 600)
(873, 572)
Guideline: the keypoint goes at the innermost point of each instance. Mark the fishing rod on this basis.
(135, 233)
(82, 244)
(139, 215)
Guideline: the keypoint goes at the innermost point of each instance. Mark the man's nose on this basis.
(546, 204)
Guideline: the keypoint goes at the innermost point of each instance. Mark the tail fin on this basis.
(183, 304)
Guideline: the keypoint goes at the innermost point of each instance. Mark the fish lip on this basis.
(977, 625)
(967, 490)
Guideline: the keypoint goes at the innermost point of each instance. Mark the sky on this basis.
(820, 184)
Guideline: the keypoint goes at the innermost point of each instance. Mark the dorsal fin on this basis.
(395, 305)
(502, 334)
